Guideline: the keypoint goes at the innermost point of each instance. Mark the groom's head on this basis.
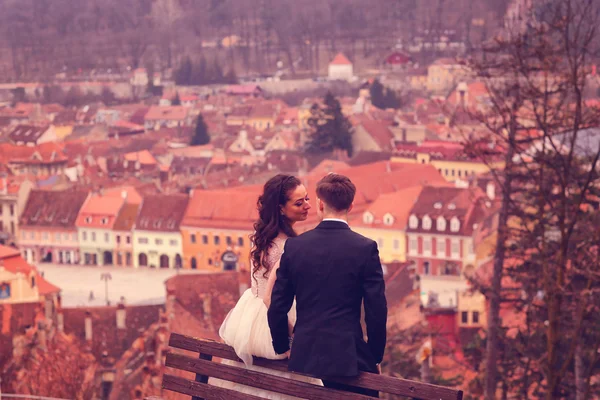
(335, 194)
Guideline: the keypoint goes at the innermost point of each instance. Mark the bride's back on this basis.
(259, 279)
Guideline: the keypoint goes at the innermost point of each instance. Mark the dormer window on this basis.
(426, 222)
(104, 221)
(454, 225)
(437, 205)
(413, 222)
(441, 223)
(388, 219)
(451, 206)
(88, 220)
(368, 218)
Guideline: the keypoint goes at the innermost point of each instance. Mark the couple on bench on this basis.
(307, 290)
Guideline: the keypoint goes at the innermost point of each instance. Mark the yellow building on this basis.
(156, 234)
(216, 229)
(443, 74)
(385, 222)
(447, 159)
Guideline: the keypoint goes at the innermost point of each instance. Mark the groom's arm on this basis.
(375, 303)
(282, 297)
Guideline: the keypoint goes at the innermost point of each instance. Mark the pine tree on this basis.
(382, 97)
(183, 75)
(331, 129)
(201, 135)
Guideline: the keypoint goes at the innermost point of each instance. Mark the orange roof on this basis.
(397, 204)
(129, 193)
(167, 113)
(340, 59)
(144, 157)
(16, 263)
(231, 209)
(327, 166)
(45, 287)
(6, 252)
(102, 205)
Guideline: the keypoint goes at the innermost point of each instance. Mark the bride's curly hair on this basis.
(271, 220)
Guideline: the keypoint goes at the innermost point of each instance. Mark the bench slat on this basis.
(258, 379)
(382, 383)
(202, 390)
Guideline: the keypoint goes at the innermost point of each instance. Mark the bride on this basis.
(283, 203)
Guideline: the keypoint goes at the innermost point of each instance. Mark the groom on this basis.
(330, 271)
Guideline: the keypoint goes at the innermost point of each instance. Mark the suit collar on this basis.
(332, 225)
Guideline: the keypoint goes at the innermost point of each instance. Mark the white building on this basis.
(341, 68)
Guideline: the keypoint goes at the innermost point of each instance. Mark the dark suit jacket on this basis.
(330, 270)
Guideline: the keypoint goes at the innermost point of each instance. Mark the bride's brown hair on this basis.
(271, 219)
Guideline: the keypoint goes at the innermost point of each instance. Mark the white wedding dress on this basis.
(246, 329)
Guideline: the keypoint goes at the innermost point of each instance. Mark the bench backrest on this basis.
(204, 367)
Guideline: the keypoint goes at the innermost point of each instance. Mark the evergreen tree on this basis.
(201, 135)
(231, 77)
(382, 97)
(176, 100)
(183, 75)
(331, 129)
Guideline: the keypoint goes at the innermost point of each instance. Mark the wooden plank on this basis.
(258, 379)
(382, 383)
(202, 378)
(191, 388)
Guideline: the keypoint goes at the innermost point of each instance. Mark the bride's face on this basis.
(297, 206)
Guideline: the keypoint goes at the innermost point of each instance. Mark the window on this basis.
(426, 222)
(413, 222)
(441, 248)
(455, 248)
(88, 220)
(217, 240)
(204, 239)
(441, 223)
(12, 210)
(104, 221)
(228, 240)
(464, 317)
(143, 240)
(65, 236)
(158, 242)
(84, 236)
(426, 268)
(427, 245)
(475, 317)
(128, 258)
(33, 281)
(412, 245)
(241, 242)
(396, 244)
(93, 236)
(368, 218)
(106, 237)
(119, 259)
(128, 239)
(57, 237)
(31, 235)
(118, 238)
(45, 235)
(454, 225)
(193, 238)
(388, 219)
(173, 242)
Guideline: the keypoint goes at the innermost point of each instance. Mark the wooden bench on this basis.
(204, 367)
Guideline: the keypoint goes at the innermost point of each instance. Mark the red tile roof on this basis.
(53, 208)
(126, 218)
(397, 204)
(99, 211)
(27, 133)
(161, 213)
(171, 113)
(340, 59)
(6, 252)
(231, 209)
(380, 132)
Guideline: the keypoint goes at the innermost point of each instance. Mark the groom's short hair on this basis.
(336, 191)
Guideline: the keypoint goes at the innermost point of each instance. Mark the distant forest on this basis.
(39, 38)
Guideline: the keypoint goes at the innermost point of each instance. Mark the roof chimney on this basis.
(121, 314)
(388, 167)
(124, 194)
(88, 326)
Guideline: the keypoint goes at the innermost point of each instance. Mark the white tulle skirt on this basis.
(246, 329)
